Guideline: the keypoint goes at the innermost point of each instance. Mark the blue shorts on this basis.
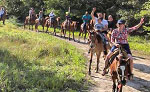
(125, 46)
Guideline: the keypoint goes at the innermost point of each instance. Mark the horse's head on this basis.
(92, 38)
(122, 68)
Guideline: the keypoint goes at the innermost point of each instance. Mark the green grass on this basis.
(140, 44)
(38, 62)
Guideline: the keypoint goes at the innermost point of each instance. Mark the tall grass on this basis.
(140, 44)
(38, 62)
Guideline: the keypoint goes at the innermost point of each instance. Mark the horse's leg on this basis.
(98, 56)
(32, 27)
(90, 62)
(54, 30)
(114, 85)
(29, 26)
(24, 25)
(73, 35)
(85, 37)
(43, 28)
(3, 22)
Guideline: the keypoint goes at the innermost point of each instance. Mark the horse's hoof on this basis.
(89, 72)
(97, 71)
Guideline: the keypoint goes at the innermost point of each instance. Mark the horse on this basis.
(53, 24)
(119, 69)
(30, 20)
(42, 21)
(4, 17)
(89, 26)
(84, 31)
(96, 46)
(71, 27)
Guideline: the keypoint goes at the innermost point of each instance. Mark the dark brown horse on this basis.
(30, 20)
(4, 17)
(119, 69)
(71, 27)
(53, 24)
(96, 46)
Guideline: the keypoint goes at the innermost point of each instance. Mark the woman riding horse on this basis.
(119, 37)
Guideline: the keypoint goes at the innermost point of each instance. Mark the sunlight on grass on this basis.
(38, 62)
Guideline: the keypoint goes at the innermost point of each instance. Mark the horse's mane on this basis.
(98, 38)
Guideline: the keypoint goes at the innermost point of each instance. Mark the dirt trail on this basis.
(140, 82)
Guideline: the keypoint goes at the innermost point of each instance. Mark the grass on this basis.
(38, 62)
(140, 44)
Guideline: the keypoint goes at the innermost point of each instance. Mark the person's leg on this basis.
(84, 26)
(131, 63)
(127, 48)
(107, 63)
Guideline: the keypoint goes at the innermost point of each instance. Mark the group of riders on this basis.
(119, 35)
(119, 32)
(52, 16)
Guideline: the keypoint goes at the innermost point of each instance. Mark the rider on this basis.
(31, 12)
(52, 16)
(40, 15)
(105, 24)
(68, 19)
(2, 12)
(86, 19)
(119, 37)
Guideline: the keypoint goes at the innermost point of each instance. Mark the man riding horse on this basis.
(51, 18)
(86, 20)
(2, 11)
(68, 21)
(31, 13)
(3, 14)
(98, 22)
(119, 37)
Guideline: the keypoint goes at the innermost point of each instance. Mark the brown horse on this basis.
(54, 24)
(84, 31)
(119, 69)
(42, 22)
(96, 46)
(4, 17)
(30, 21)
(71, 27)
(89, 27)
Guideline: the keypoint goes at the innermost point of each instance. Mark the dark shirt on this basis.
(111, 24)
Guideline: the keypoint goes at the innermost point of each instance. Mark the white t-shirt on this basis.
(98, 26)
(51, 15)
(1, 12)
(104, 22)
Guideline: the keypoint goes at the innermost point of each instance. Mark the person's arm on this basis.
(137, 26)
(113, 38)
(83, 17)
(104, 16)
(92, 14)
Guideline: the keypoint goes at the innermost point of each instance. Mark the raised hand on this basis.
(142, 20)
(94, 9)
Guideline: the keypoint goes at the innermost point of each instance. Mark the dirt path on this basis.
(140, 82)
